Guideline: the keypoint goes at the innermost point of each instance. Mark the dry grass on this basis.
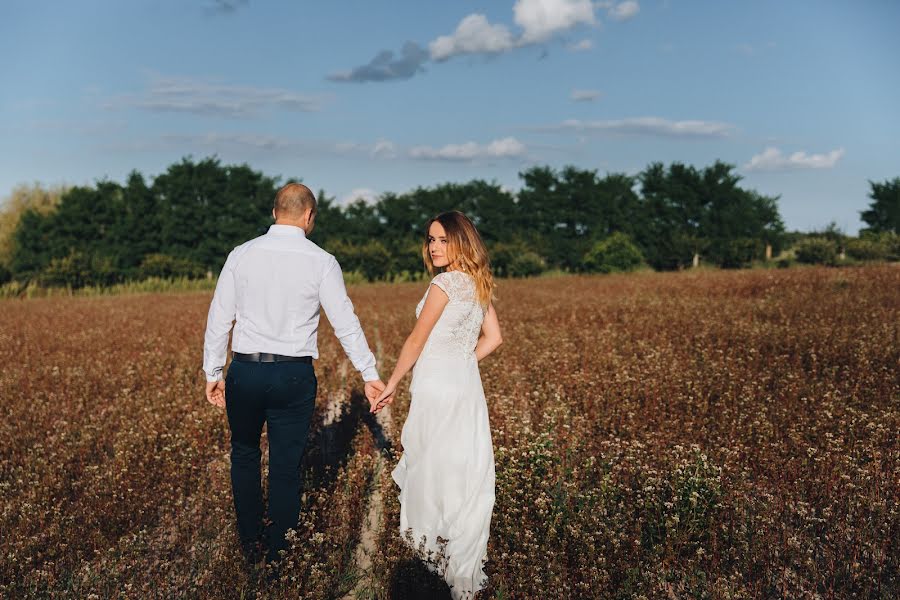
(708, 435)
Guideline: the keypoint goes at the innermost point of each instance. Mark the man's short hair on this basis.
(293, 200)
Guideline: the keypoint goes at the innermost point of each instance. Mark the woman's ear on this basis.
(273, 215)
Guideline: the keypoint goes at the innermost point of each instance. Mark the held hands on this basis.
(215, 393)
(373, 390)
(384, 398)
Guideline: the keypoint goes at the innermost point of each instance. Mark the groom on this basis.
(272, 288)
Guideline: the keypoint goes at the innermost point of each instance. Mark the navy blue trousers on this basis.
(282, 396)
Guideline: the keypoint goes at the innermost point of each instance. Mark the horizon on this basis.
(798, 97)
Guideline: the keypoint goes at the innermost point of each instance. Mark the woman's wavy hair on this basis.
(466, 252)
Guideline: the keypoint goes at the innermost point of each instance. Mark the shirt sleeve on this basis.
(442, 280)
(339, 309)
(219, 322)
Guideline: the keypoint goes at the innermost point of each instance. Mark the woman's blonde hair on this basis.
(466, 251)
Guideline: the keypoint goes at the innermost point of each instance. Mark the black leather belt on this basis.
(267, 357)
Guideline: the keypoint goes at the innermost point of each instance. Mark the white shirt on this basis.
(272, 288)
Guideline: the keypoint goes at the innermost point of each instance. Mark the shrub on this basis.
(739, 252)
(78, 270)
(816, 251)
(516, 259)
(5, 274)
(886, 244)
(164, 266)
(613, 254)
(371, 259)
(527, 264)
(866, 249)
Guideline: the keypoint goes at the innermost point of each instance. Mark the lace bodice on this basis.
(456, 332)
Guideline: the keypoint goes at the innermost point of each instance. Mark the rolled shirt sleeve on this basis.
(219, 323)
(339, 309)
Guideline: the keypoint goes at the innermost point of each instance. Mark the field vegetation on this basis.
(702, 434)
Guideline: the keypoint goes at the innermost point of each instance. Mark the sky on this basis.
(360, 98)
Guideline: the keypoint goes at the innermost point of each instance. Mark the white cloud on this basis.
(624, 10)
(473, 35)
(503, 148)
(253, 144)
(772, 159)
(585, 95)
(367, 195)
(648, 126)
(581, 46)
(229, 141)
(212, 98)
(542, 19)
(384, 149)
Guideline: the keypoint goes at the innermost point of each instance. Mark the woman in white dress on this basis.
(446, 472)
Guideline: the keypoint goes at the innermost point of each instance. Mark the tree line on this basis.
(184, 222)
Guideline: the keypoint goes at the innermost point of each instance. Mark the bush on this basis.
(866, 249)
(739, 252)
(78, 270)
(816, 251)
(164, 266)
(516, 259)
(5, 275)
(527, 264)
(616, 253)
(878, 246)
(371, 259)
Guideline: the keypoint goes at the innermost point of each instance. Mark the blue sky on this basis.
(360, 97)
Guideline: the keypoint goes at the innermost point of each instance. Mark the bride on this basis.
(446, 473)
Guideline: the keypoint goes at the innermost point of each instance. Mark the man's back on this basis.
(277, 278)
(272, 287)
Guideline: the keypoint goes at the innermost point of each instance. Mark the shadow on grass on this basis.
(413, 581)
(331, 447)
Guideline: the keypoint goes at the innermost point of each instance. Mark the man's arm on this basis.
(219, 322)
(339, 309)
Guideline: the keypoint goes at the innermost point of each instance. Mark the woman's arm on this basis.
(412, 347)
(490, 334)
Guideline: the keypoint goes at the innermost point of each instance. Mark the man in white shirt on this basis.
(272, 288)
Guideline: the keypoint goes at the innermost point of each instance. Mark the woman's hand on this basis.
(385, 398)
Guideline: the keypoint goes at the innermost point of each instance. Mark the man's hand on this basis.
(215, 393)
(384, 398)
(373, 390)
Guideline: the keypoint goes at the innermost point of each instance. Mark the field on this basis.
(685, 435)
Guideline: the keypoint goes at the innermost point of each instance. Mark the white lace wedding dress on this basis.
(446, 473)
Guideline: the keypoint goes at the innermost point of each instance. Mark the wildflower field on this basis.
(712, 434)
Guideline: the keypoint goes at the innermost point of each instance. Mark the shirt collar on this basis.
(291, 230)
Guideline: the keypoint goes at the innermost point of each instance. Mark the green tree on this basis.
(883, 214)
(136, 233)
(206, 209)
(670, 232)
(31, 244)
(687, 211)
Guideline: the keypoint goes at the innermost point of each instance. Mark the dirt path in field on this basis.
(368, 535)
(369, 532)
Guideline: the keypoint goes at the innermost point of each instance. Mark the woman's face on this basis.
(438, 247)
